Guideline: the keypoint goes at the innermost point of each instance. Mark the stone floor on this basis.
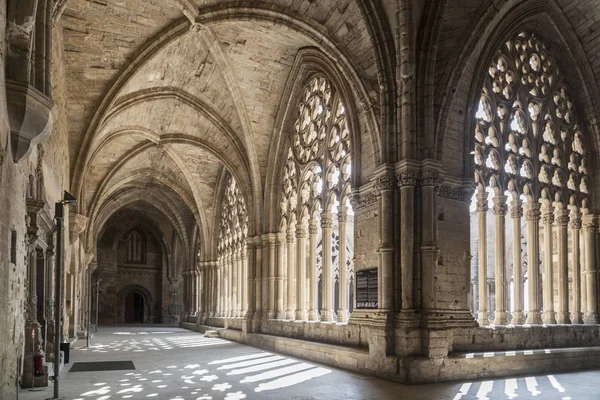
(172, 363)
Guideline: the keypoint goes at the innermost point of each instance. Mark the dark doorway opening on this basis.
(134, 308)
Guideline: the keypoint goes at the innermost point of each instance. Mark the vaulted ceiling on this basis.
(159, 103)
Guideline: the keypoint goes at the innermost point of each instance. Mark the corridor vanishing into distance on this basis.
(176, 364)
(386, 192)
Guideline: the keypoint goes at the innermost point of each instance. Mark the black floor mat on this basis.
(101, 366)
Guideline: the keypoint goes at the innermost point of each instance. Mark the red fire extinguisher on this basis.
(39, 363)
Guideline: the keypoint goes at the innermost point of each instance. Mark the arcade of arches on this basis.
(409, 184)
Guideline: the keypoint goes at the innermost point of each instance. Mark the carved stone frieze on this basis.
(458, 193)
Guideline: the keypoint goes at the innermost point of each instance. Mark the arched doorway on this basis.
(134, 308)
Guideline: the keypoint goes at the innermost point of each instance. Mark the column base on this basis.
(563, 318)
(500, 318)
(483, 318)
(577, 317)
(549, 317)
(534, 318)
(590, 318)
(517, 318)
(290, 314)
(300, 315)
(271, 314)
(281, 315)
(342, 315)
(327, 316)
(313, 315)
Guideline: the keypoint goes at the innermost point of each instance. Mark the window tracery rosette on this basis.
(318, 167)
(527, 139)
(233, 227)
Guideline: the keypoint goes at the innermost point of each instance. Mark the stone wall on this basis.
(13, 184)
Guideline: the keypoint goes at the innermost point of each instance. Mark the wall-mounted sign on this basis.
(366, 289)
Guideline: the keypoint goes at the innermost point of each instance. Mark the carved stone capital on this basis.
(482, 205)
(548, 218)
(385, 183)
(589, 227)
(300, 232)
(313, 228)
(407, 178)
(575, 224)
(562, 220)
(430, 178)
(363, 200)
(342, 217)
(326, 221)
(516, 211)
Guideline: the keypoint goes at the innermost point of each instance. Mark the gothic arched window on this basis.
(136, 248)
(316, 190)
(231, 250)
(528, 154)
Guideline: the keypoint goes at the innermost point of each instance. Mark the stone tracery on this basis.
(316, 188)
(529, 149)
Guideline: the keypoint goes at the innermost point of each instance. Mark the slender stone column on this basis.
(219, 287)
(533, 257)
(583, 264)
(313, 278)
(500, 210)
(482, 208)
(244, 280)
(575, 227)
(258, 278)
(250, 278)
(407, 182)
(201, 291)
(300, 272)
(548, 287)
(516, 213)
(291, 281)
(239, 280)
(195, 279)
(385, 186)
(266, 277)
(327, 313)
(229, 282)
(589, 230)
(272, 243)
(280, 275)
(562, 234)
(342, 260)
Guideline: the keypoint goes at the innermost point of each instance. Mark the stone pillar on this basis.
(258, 278)
(516, 213)
(280, 275)
(272, 242)
(482, 208)
(194, 291)
(589, 230)
(500, 255)
(533, 267)
(429, 247)
(385, 186)
(583, 264)
(291, 265)
(575, 227)
(240, 280)
(244, 279)
(342, 313)
(327, 313)
(251, 271)
(406, 182)
(235, 280)
(313, 277)
(300, 272)
(562, 234)
(228, 281)
(219, 285)
(548, 287)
